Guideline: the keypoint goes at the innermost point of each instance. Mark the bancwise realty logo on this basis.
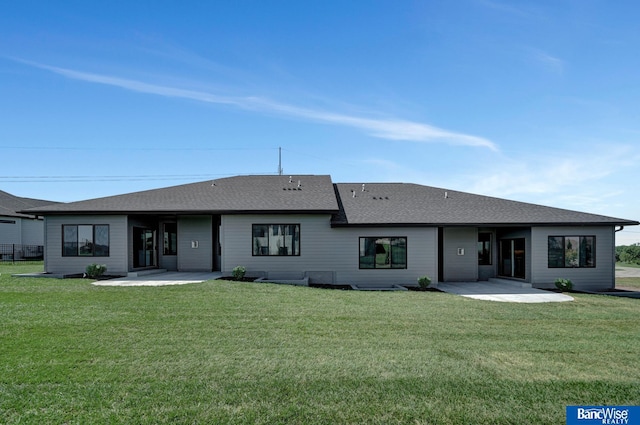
(606, 415)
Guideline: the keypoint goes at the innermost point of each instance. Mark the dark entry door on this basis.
(144, 247)
(512, 258)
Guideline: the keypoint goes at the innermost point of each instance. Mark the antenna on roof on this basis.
(280, 161)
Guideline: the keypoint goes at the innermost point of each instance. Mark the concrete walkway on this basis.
(627, 271)
(161, 279)
(503, 292)
(490, 291)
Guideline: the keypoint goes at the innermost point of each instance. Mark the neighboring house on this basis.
(369, 234)
(19, 230)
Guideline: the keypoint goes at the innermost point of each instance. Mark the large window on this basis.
(85, 240)
(383, 253)
(572, 251)
(276, 239)
(484, 249)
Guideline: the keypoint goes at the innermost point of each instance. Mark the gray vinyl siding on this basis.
(602, 276)
(326, 251)
(10, 232)
(422, 249)
(195, 229)
(116, 262)
(316, 250)
(32, 232)
(460, 268)
(168, 262)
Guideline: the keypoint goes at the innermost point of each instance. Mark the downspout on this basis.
(614, 254)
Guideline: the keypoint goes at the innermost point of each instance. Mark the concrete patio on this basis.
(502, 291)
(160, 279)
(495, 290)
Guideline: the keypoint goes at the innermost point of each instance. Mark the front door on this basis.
(144, 247)
(512, 258)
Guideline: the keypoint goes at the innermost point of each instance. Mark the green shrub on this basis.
(424, 281)
(564, 284)
(95, 270)
(238, 272)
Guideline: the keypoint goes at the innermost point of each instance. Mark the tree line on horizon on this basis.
(628, 254)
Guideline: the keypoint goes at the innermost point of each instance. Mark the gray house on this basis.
(289, 227)
(20, 234)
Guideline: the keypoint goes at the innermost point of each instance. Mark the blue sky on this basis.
(531, 101)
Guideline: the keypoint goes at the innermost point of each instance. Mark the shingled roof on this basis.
(11, 204)
(241, 194)
(379, 204)
(408, 204)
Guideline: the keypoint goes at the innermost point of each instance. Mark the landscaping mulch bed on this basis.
(329, 286)
(243, 279)
(612, 290)
(419, 289)
(84, 276)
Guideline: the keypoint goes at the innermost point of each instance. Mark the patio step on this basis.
(515, 283)
(146, 272)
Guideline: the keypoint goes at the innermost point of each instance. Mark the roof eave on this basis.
(185, 212)
(515, 224)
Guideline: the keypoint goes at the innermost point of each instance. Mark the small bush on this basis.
(238, 272)
(564, 284)
(95, 270)
(424, 281)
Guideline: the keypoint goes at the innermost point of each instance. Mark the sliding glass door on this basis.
(144, 247)
(512, 258)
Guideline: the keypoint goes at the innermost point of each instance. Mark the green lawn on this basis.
(229, 352)
(628, 282)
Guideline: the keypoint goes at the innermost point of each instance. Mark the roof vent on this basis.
(299, 183)
(363, 187)
(354, 193)
(446, 195)
(290, 179)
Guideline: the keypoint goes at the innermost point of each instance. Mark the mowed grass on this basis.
(244, 353)
(628, 282)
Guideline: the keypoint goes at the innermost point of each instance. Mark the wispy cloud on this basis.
(576, 180)
(385, 128)
(548, 61)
